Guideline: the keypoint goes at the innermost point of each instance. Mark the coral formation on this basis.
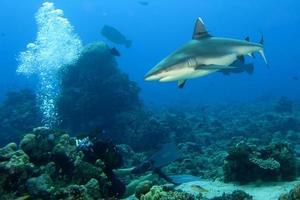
(143, 188)
(18, 115)
(94, 91)
(49, 166)
(158, 192)
(294, 194)
(246, 163)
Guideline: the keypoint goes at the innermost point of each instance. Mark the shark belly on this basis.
(190, 70)
(224, 60)
(184, 74)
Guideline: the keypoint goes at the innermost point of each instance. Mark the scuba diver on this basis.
(95, 148)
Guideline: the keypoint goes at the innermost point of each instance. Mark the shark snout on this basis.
(151, 77)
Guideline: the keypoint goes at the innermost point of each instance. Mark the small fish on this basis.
(115, 52)
(144, 3)
(2, 34)
(198, 188)
(295, 78)
(115, 36)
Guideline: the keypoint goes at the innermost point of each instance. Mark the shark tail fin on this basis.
(262, 53)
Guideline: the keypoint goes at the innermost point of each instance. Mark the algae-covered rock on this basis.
(36, 147)
(93, 188)
(7, 152)
(158, 193)
(247, 162)
(81, 106)
(294, 194)
(40, 186)
(143, 188)
(72, 192)
(15, 169)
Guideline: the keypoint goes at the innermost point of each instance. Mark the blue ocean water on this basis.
(198, 133)
(161, 27)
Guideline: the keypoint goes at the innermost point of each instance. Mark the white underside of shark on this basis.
(202, 56)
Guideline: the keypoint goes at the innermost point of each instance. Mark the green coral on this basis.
(159, 193)
(40, 186)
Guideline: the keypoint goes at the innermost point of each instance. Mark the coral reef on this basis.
(257, 143)
(247, 162)
(159, 192)
(49, 166)
(18, 114)
(294, 194)
(143, 188)
(94, 91)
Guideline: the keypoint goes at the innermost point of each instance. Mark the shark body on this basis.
(202, 55)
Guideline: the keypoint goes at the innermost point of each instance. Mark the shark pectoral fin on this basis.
(241, 59)
(181, 83)
(200, 30)
(214, 67)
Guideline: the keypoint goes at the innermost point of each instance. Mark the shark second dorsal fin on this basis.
(200, 30)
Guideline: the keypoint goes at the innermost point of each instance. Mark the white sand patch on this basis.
(269, 191)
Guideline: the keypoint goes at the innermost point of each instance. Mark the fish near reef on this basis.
(115, 36)
(202, 55)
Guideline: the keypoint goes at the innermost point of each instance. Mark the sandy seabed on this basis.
(270, 191)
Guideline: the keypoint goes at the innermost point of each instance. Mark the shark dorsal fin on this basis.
(200, 30)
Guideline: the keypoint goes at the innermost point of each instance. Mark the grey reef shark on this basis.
(203, 55)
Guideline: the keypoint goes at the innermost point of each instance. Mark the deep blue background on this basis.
(161, 27)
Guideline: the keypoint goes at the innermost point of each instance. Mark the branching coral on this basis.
(56, 45)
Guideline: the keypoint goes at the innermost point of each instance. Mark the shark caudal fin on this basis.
(262, 53)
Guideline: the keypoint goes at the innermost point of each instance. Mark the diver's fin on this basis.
(183, 178)
(241, 59)
(114, 51)
(167, 154)
(200, 30)
(247, 38)
(181, 83)
(214, 67)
